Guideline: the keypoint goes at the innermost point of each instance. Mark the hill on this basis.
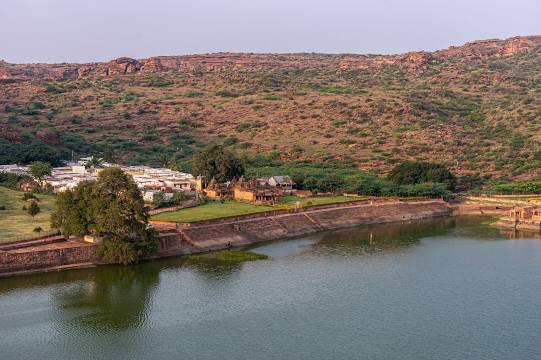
(474, 107)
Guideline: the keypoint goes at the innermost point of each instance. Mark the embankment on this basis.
(47, 256)
(207, 237)
(213, 235)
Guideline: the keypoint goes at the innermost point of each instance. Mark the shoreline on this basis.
(223, 234)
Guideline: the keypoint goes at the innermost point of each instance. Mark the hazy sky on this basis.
(97, 30)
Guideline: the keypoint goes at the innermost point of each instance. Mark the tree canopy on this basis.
(216, 162)
(40, 169)
(33, 209)
(111, 207)
(27, 152)
(411, 173)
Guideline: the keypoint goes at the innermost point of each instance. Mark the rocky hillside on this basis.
(476, 107)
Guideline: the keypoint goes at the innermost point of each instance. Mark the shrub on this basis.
(29, 196)
(226, 93)
(231, 141)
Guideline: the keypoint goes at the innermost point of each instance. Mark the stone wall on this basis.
(207, 236)
(14, 261)
(219, 235)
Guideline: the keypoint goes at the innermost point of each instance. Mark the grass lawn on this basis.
(211, 210)
(216, 210)
(15, 223)
(322, 200)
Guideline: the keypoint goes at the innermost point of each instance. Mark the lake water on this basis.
(450, 288)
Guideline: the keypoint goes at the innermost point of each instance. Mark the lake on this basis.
(448, 288)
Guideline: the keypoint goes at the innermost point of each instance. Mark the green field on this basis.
(216, 210)
(317, 200)
(15, 223)
(211, 210)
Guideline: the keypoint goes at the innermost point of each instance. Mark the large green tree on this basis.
(216, 162)
(410, 173)
(40, 169)
(111, 207)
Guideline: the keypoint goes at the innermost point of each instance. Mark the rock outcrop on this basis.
(413, 62)
(489, 48)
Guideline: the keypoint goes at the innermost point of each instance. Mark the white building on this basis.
(146, 178)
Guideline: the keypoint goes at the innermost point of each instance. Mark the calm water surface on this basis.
(441, 289)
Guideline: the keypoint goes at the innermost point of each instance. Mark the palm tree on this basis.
(94, 163)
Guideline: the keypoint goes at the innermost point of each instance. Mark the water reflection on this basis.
(109, 298)
(430, 278)
(116, 298)
(380, 238)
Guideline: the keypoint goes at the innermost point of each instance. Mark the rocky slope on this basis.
(475, 106)
(414, 61)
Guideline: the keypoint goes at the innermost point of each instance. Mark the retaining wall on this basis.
(224, 233)
(237, 233)
(48, 257)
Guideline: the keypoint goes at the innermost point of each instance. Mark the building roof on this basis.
(282, 179)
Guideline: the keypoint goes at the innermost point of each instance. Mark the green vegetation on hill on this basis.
(472, 113)
(410, 173)
(340, 179)
(16, 223)
(525, 187)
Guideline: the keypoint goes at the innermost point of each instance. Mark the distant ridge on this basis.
(412, 61)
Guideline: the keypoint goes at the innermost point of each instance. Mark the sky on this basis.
(55, 31)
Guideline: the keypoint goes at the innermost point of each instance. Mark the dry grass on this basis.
(15, 223)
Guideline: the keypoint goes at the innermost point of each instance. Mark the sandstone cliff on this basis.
(413, 62)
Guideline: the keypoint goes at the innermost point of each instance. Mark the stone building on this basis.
(250, 191)
(283, 182)
(253, 192)
(526, 214)
(522, 218)
(215, 190)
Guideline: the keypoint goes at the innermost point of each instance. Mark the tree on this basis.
(164, 160)
(33, 209)
(110, 155)
(40, 169)
(158, 199)
(94, 163)
(72, 215)
(217, 162)
(410, 173)
(111, 207)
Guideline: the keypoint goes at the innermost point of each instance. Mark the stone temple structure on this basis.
(249, 191)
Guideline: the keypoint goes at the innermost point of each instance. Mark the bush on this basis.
(29, 196)
(226, 93)
(231, 141)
